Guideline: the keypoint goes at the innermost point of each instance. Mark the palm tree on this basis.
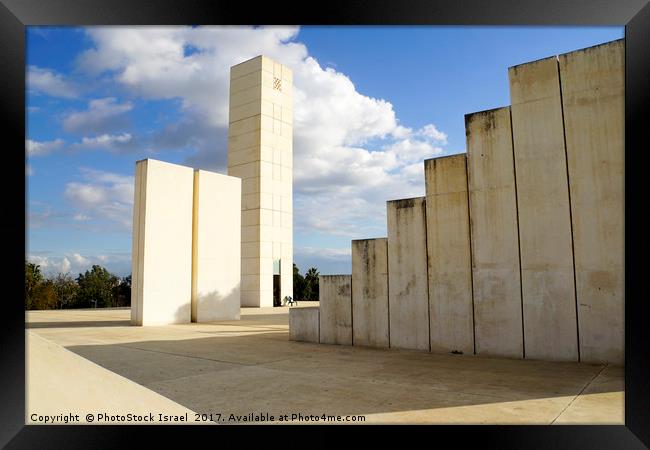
(311, 279)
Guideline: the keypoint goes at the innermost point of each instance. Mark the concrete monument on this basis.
(260, 150)
(522, 240)
(186, 245)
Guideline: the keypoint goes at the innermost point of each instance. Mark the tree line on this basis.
(96, 288)
(305, 287)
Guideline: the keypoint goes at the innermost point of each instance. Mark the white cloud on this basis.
(49, 265)
(35, 148)
(106, 140)
(102, 115)
(430, 131)
(47, 81)
(326, 260)
(351, 153)
(74, 263)
(29, 170)
(65, 265)
(80, 260)
(103, 195)
(327, 253)
(116, 143)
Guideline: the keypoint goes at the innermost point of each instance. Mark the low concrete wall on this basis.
(304, 324)
(370, 292)
(449, 255)
(546, 244)
(593, 99)
(496, 274)
(335, 297)
(162, 243)
(216, 247)
(407, 273)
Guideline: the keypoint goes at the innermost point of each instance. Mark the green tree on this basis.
(66, 289)
(45, 295)
(33, 278)
(97, 288)
(122, 292)
(298, 284)
(311, 280)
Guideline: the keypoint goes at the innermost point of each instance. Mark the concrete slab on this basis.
(304, 324)
(216, 247)
(224, 361)
(408, 296)
(545, 238)
(449, 255)
(496, 274)
(370, 292)
(162, 243)
(593, 99)
(335, 298)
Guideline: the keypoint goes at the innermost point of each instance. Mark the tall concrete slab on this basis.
(494, 234)
(408, 297)
(593, 88)
(547, 276)
(370, 292)
(216, 247)
(260, 152)
(335, 299)
(449, 255)
(304, 324)
(162, 243)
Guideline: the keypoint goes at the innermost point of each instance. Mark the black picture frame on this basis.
(15, 15)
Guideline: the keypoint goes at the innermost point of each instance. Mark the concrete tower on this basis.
(260, 152)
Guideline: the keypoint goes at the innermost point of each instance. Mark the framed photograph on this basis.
(419, 214)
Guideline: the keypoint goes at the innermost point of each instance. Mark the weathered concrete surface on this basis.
(216, 247)
(260, 152)
(370, 292)
(60, 383)
(601, 402)
(548, 288)
(304, 324)
(407, 274)
(335, 298)
(593, 88)
(216, 367)
(495, 235)
(162, 243)
(449, 255)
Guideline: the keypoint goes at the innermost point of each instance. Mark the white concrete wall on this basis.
(304, 324)
(550, 325)
(216, 247)
(496, 283)
(370, 292)
(593, 94)
(335, 298)
(162, 243)
(407, 274)
(449, 255)
(260, 152)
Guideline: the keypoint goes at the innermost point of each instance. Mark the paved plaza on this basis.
(249, 367)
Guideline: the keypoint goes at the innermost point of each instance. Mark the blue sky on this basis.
(370, 104)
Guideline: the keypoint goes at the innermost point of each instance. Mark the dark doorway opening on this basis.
(276, 290)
